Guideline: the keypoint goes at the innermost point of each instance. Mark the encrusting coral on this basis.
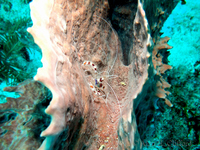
(93, 90)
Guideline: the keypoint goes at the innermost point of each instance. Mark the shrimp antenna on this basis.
(115, 39)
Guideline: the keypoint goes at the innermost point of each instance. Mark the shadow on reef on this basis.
(122, 14)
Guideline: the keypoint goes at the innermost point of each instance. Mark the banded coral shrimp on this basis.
(97, 61)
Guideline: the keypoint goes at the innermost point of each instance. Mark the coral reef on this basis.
(184, 23)
(94, 73)
(157, 12)
(185, 96)
(9, 9)
(155, 91)
(22, 118)
(16, 46)
(177, 127)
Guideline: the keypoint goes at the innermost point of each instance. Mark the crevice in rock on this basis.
(122, 14)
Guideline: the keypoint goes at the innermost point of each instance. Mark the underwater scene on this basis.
(99, 75)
